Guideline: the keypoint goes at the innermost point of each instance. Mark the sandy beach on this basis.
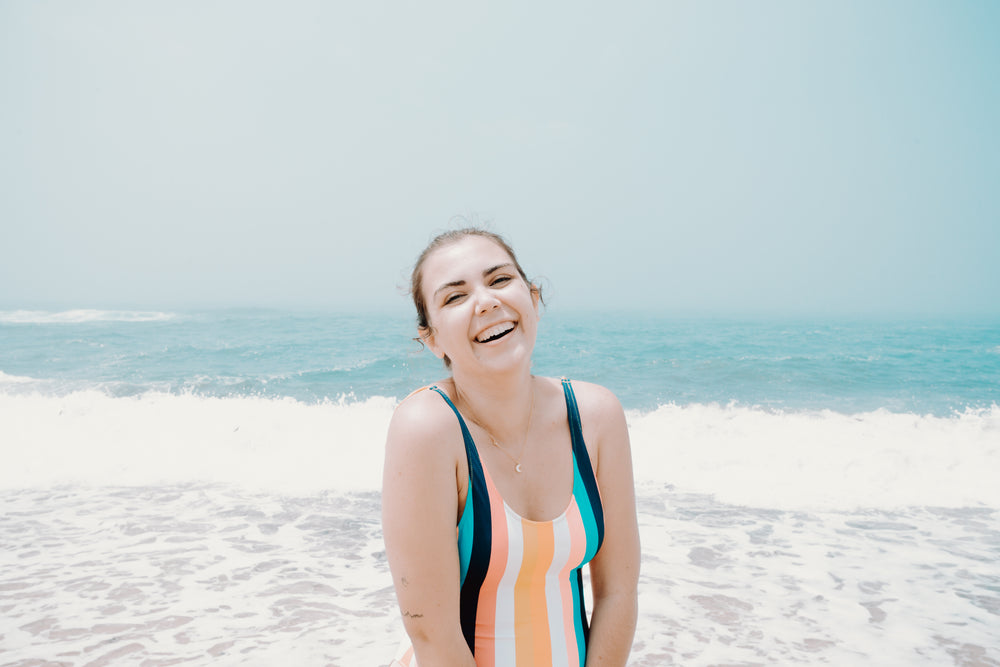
(198, 575)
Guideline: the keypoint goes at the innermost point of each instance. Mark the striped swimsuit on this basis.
(521, 581)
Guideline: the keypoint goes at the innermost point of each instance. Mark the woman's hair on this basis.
(440, 241)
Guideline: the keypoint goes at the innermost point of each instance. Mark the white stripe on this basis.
(506, 651)
(553, 594)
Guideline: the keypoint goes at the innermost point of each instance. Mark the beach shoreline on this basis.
(212, 574)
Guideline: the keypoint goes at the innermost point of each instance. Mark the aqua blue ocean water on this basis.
(921, 366)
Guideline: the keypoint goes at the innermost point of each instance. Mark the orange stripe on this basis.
(539, 607)
(417, 391)
(530, 614)
(577, 550)
(486, 612)
(522, 599)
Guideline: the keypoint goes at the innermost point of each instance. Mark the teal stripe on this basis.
(586, 513)
(466, 531)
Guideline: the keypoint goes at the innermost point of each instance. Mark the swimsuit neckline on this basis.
(511, 510)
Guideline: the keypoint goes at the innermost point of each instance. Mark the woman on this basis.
(499, 485)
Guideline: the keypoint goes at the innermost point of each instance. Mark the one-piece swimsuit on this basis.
(522, 601)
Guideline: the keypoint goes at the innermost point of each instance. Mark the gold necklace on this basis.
(498, 445)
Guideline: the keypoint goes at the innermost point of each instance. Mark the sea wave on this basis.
(15, 379)
(91, 438)
(821, 460)
(810, 460)
(81, 315)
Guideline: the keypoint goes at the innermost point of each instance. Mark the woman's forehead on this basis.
(470, 253)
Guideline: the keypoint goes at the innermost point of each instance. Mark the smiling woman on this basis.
(499, 486)
(447, 238)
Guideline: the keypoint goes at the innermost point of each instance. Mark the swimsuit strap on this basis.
(575, 428)
(477, 536)
(471, 453)
(581, 459)
(470, 444)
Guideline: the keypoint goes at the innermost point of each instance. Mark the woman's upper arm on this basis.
(615, 568)
(419, 506)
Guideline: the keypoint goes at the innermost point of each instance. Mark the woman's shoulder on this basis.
(423, 454)
(601, 413)
(593, 398)
(423, 416)
(605, 429)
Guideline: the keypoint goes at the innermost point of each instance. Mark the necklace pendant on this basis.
(517, 467)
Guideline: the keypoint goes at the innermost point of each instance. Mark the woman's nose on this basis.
(486, 301)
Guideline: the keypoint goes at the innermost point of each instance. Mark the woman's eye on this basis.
(500, 280)
(452, 298)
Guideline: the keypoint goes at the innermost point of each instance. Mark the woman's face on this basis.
(481, 312)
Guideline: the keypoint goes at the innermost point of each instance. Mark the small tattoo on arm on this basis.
(407, 614)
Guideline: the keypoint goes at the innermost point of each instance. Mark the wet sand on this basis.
(199, 575)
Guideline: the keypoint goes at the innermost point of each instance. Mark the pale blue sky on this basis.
(720, 157)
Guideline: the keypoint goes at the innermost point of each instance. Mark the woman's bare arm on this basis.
(614, 571)
(419, 509)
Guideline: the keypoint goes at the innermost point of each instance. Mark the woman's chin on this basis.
(504, 358)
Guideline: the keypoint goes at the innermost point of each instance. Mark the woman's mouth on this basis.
(495, 332)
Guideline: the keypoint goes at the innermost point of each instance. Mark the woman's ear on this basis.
(427, 336)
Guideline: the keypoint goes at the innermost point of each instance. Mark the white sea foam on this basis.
(15, 379)
(745, 456)
(821, 460)
(90, 438)
(81, 315)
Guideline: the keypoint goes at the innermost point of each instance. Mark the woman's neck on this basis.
(502, 403)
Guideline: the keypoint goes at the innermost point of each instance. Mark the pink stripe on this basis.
(486, 611)
(578, 549)
(406, 660)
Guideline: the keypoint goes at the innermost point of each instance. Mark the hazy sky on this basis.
(804, 157)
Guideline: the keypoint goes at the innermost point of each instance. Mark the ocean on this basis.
(194, 488)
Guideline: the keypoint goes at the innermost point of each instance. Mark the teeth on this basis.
(494, 331)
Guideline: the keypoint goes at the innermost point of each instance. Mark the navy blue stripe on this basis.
(482, 536)
(583, 460)
(583, 607)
